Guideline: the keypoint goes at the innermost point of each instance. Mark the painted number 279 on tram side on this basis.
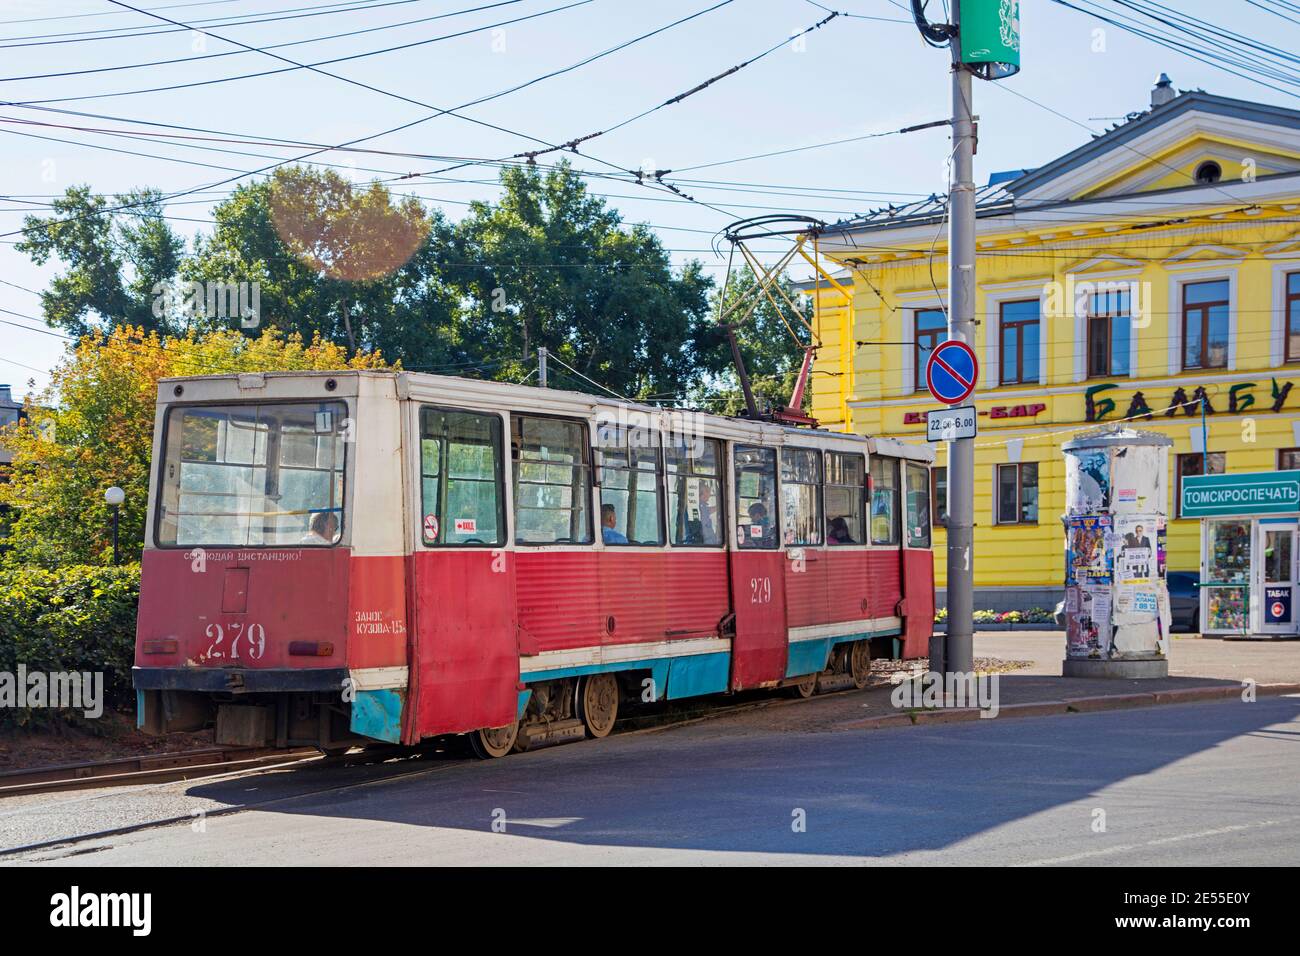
(348, 557)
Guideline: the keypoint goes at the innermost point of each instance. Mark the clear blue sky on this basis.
(853, 76)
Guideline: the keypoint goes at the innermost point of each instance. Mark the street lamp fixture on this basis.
(114, 497)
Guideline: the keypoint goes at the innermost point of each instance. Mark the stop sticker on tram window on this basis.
(466, 526)
(431, 527)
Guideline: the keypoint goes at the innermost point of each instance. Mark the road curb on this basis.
(1069, 705)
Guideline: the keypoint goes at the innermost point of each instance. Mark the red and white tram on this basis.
(348, 556)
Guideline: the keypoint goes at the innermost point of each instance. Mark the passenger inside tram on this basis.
(764, 537)
(839, 533)
(609, 526)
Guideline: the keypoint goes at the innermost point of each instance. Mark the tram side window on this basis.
(756, 497)
(801, 479)
(918, 506)
(884, 501)
(552, 481)
(460, 478)
(694, 479)
(844, 483)
(629, 486)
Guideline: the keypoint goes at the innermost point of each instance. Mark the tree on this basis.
(347, 263)
(116, 252)
(93, 428)
(551, 265)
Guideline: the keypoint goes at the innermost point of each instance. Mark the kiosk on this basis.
(1249, 551)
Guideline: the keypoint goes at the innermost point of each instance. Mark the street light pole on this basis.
(959, 652)
(114, 497)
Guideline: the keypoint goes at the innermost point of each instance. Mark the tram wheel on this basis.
(806, 687)
(598, 703)
(492, 742)
(860, 663)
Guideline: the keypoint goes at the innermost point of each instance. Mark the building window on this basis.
(1017, 493)
(1288, 459)
(1195, 464)
(1205, 324)
(1018, 342)
(931, 329)
(1110, 322)
(1291, 309)
(939, 495)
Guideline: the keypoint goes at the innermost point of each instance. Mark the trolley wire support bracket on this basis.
(800, 229)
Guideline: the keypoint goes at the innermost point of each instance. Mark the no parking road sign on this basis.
(951, 372)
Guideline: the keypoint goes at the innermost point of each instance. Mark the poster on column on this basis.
(1136, 563)
(1088, 630)
(1087, 481)
(1089, 559)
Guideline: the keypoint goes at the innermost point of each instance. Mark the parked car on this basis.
(1184, 602)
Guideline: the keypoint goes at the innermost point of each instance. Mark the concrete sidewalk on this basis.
(1200, 669)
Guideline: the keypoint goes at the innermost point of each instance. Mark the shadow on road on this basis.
(872, 793)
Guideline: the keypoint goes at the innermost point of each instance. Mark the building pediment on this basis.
(1104, 265)
(1164, 148)
(1206, 253)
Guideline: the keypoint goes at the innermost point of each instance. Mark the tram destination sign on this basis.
(1254, 493)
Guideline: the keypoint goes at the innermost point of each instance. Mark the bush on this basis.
(74, 618)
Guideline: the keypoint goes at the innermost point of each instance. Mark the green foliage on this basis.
(550, 265)
(93, 428)
(76, 618)
(113, 260)
(546, 264)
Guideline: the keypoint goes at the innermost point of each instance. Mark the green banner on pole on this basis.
(990, 37)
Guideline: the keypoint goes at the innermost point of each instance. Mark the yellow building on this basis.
(1155, 265)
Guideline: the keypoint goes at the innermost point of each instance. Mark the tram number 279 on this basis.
(760, 590)
(254, 633)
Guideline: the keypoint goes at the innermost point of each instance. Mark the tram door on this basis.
(1276, 573)
(465, 653)
(917, 602)
(760, 646)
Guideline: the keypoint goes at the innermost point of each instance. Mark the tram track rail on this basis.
(149, 768)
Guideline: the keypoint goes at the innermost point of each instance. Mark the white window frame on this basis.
(991, 373)
(1277, 337)
(1182, 277)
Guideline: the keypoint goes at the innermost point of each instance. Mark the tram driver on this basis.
(324, 529)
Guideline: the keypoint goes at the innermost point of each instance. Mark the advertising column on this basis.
(1116, 601)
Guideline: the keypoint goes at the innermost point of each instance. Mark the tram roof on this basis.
(507, 396)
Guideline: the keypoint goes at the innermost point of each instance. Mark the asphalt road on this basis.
(1215, 783)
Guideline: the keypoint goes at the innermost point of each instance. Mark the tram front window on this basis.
(253, 475)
